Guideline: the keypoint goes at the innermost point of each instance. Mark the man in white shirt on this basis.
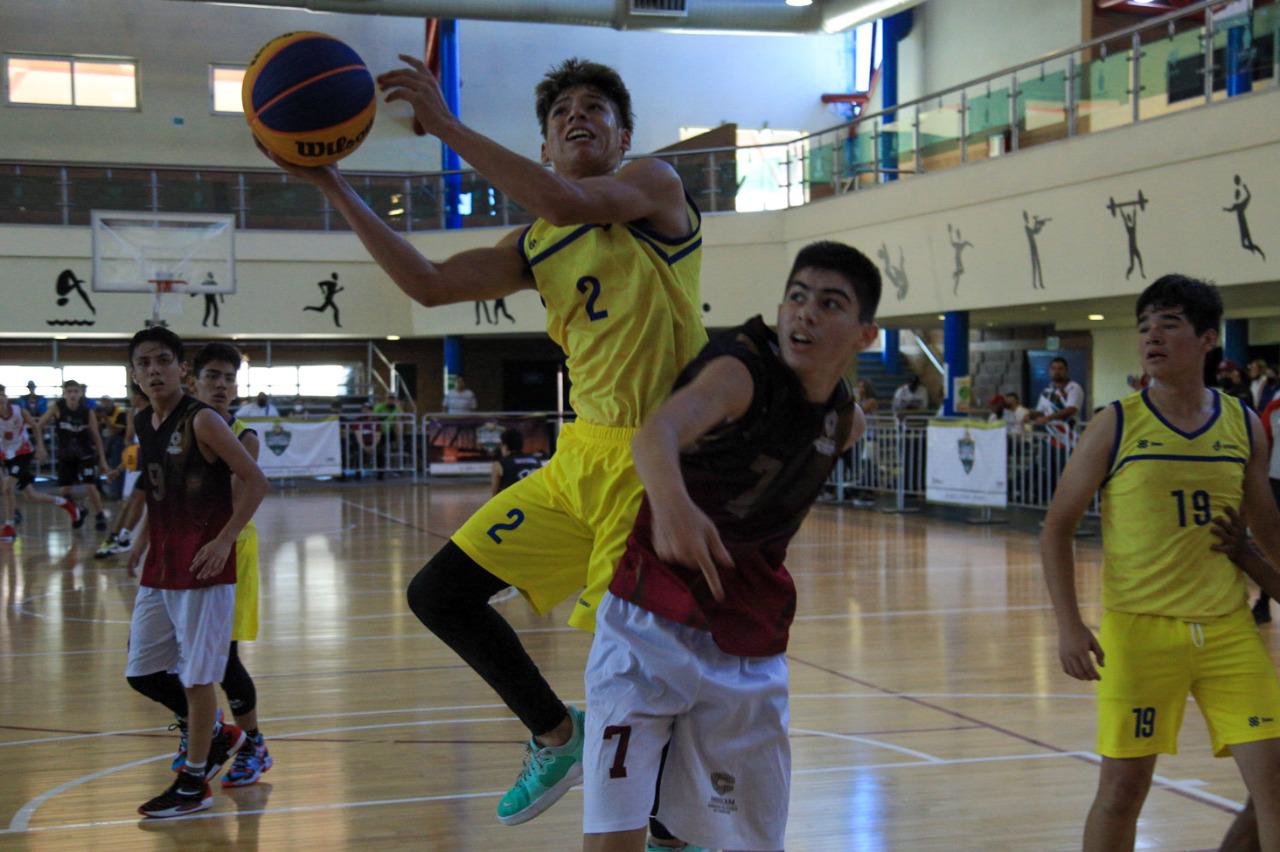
(1056, 411)
(461, 399)
(911, 398)
(262, 407)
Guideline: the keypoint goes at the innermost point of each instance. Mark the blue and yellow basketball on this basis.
(309, 98)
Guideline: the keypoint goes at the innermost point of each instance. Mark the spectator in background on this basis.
(866, 395)
(112, 420)
(1056, 411)
(1232, 382)
(1015, 411)
(1262, 384)
(299, 408)
(911, 398)
(386, 410)
(512, 464)
(34, 403)
(461, 399)
(261, 407)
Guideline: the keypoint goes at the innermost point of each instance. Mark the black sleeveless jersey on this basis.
(74, 438)
(517, 466)
(188, 498)
(756, 479)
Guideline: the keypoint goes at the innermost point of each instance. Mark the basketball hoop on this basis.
(164, 302)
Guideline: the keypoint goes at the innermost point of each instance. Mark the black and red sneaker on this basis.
(76, 511)
(186, 795)
(227, 740)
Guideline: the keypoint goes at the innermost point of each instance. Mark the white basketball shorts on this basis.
(187, 631)
(653, 682)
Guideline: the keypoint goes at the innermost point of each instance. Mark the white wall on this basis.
(1115, 358)
(676, 80)
(964, 39)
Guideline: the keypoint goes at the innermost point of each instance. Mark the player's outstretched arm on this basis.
(643, 189)
(682, 533)
(1233, 540)
(1080, 480)
(490, 273)
(1260, 510)
(37, 434)
(216, 438)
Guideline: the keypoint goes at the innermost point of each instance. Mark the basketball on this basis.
(309, 98)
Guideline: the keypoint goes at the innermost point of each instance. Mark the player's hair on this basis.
(70, 383)
(583, 72)
(513, 440)
(157, 334)
(851, 264)
(1200, 301)
(217, 351)
(1060, 360)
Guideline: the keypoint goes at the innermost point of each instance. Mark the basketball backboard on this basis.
(194, 252)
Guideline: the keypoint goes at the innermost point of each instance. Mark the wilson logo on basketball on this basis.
(330, 149)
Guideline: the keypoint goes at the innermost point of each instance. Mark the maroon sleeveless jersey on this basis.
(188, 498)
(755, 479)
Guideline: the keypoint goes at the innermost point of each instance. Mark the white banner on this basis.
(966, 463)
(294, 447)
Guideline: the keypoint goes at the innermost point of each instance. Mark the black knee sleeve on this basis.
(242, 695)
(164, 688)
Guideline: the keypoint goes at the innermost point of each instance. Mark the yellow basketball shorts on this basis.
(561, 530)
(244, 625)
(1153, 662)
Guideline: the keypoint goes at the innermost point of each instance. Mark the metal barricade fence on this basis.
(890, 458)
(379, 443)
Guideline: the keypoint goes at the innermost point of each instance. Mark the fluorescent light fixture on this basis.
(799, 2)
(59, 337)
(1096, 317)
(399, 211)
(393, 337)
(942, 316)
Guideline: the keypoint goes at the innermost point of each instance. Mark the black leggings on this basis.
(450, 596)
(166, 687)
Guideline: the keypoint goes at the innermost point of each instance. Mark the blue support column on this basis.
(891, 357)
(452, 360)
(896, 28)
(1239, 75)
(955, 354)
(1235, 341)
(451, 85)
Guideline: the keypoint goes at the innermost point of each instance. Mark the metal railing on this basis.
(378, 444)
(1154, 68)
(890, 459)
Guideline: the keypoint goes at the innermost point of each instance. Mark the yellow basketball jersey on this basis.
(623, 303)
(238, 426)
(1162, 491)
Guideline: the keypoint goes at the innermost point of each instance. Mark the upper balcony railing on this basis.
(1184, 59)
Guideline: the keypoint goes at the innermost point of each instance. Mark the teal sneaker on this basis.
(547, 775)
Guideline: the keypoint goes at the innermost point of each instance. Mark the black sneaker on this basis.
(227, 740)
(186, 795)
(100, 522)
(78, 514)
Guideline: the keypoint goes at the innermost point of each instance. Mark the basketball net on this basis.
(164, 302)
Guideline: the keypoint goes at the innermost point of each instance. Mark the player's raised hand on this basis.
(687, 537)
(1075, 645)
(210, 559)
(312, 174)
(420, 89)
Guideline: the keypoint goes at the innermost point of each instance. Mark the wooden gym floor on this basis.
(928, 708)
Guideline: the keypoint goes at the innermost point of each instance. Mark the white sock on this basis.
(59, 501)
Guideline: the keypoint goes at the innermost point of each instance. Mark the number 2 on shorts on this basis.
(623, 733)
(517, 518)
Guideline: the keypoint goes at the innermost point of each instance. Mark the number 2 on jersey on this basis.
(517, 518)
(588, 282)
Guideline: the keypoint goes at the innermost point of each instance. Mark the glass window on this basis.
(14, 378)
(71, 81)
(225, 82)
(100, 379)
(273, 381)
(325, 380)
(38, 81)
(105, 84)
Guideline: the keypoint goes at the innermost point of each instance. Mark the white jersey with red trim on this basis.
(14, 440)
